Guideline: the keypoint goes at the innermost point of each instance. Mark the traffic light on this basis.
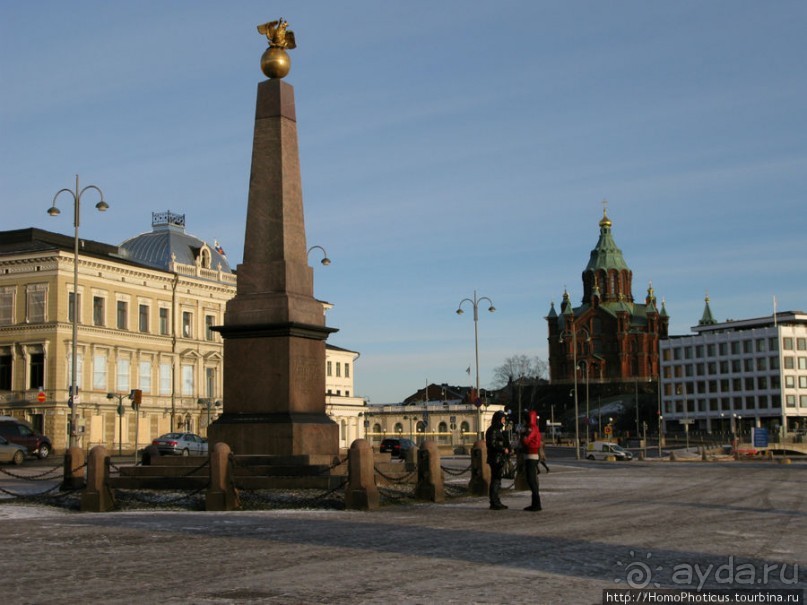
(137, 397)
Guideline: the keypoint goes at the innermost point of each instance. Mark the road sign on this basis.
(686, 421)
(41, 397)
(607, 430)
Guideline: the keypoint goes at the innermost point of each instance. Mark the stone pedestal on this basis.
(274, 329)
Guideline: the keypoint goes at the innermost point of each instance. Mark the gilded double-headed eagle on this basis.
(277, 34)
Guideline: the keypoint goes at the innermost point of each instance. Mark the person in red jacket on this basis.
(531, 444)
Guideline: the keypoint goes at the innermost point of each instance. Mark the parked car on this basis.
(181, 444)
(11, 452)
(22, 433)
(600, 450)
(396, 447)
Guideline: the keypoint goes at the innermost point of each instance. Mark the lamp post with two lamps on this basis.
(571, 332)
(209, 402)
(119, 397)
(54, 211)
(475, 303)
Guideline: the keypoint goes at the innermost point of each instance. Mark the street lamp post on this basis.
(54, 211)
(588, 413)
(208, 401)
(475, 303)
(120, 417)
(572, 332)
(325, 260)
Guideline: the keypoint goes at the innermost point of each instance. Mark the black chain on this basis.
(454, 473)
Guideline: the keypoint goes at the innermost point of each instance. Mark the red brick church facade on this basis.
(616, 337)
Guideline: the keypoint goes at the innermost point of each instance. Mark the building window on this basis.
(122, 375)
(761, 345)
(790, 382)
(143, 318)
(762, 363)
(748, 346)
(338, 369)
(187, 324)
(803, 363)
(210, 382)
(164, 321)
(188, 383)
(6, 364)
(36, 370)
(328, 369)
(73, 303)
(144, 378)
(801, 344)
(774, 363)
(790, 363)
(787, 343)
(123, 315)
(79, 369)
(790, 401)
(209, 323)
(7, 306)
(803, 401)
(803, 382)
(99, 372)
(347, 370)
(165, 378)
(762, 383)
(98, 318)
(35, 303)
(773, 343)
(723, 348)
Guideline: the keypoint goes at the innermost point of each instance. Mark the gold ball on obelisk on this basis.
(275, 63)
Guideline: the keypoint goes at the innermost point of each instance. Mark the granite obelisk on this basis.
(274, 329)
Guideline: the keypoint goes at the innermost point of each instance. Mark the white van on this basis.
(600, 450)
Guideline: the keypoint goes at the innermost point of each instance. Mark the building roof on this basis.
(168, 243)
(606, 255)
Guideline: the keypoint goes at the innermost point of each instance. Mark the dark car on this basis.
(183, 444)
(396, 447)
(20, 432)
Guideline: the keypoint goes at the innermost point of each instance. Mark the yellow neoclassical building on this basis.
(145, 310)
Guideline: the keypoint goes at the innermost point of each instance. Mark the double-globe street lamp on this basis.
(475, 303)
(571, 332)
(54, 211)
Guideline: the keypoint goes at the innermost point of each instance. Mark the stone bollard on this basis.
(73, 470)
(641, 456)
(784, 460)
(520, 484)
(149, 453)
(411, 459)
(704, 457)
(480, 471)
(97, 497)
(361, 492)
(672, 455)
(221, 492)
(430, 475)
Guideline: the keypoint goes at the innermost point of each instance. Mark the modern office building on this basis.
(736, 375)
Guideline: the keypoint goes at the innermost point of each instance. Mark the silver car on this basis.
(182, 444)
(11, 452)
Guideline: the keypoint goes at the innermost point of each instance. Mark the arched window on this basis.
(443, 434)
(398, 429)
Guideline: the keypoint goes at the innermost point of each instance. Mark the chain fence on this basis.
(392, 488)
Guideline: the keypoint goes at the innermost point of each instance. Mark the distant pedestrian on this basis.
(533, 451)
(498, 452)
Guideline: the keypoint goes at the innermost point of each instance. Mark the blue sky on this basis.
(446, 147)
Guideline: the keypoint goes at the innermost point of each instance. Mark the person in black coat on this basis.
(498, 451)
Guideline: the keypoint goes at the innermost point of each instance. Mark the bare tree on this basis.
(519, 369)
